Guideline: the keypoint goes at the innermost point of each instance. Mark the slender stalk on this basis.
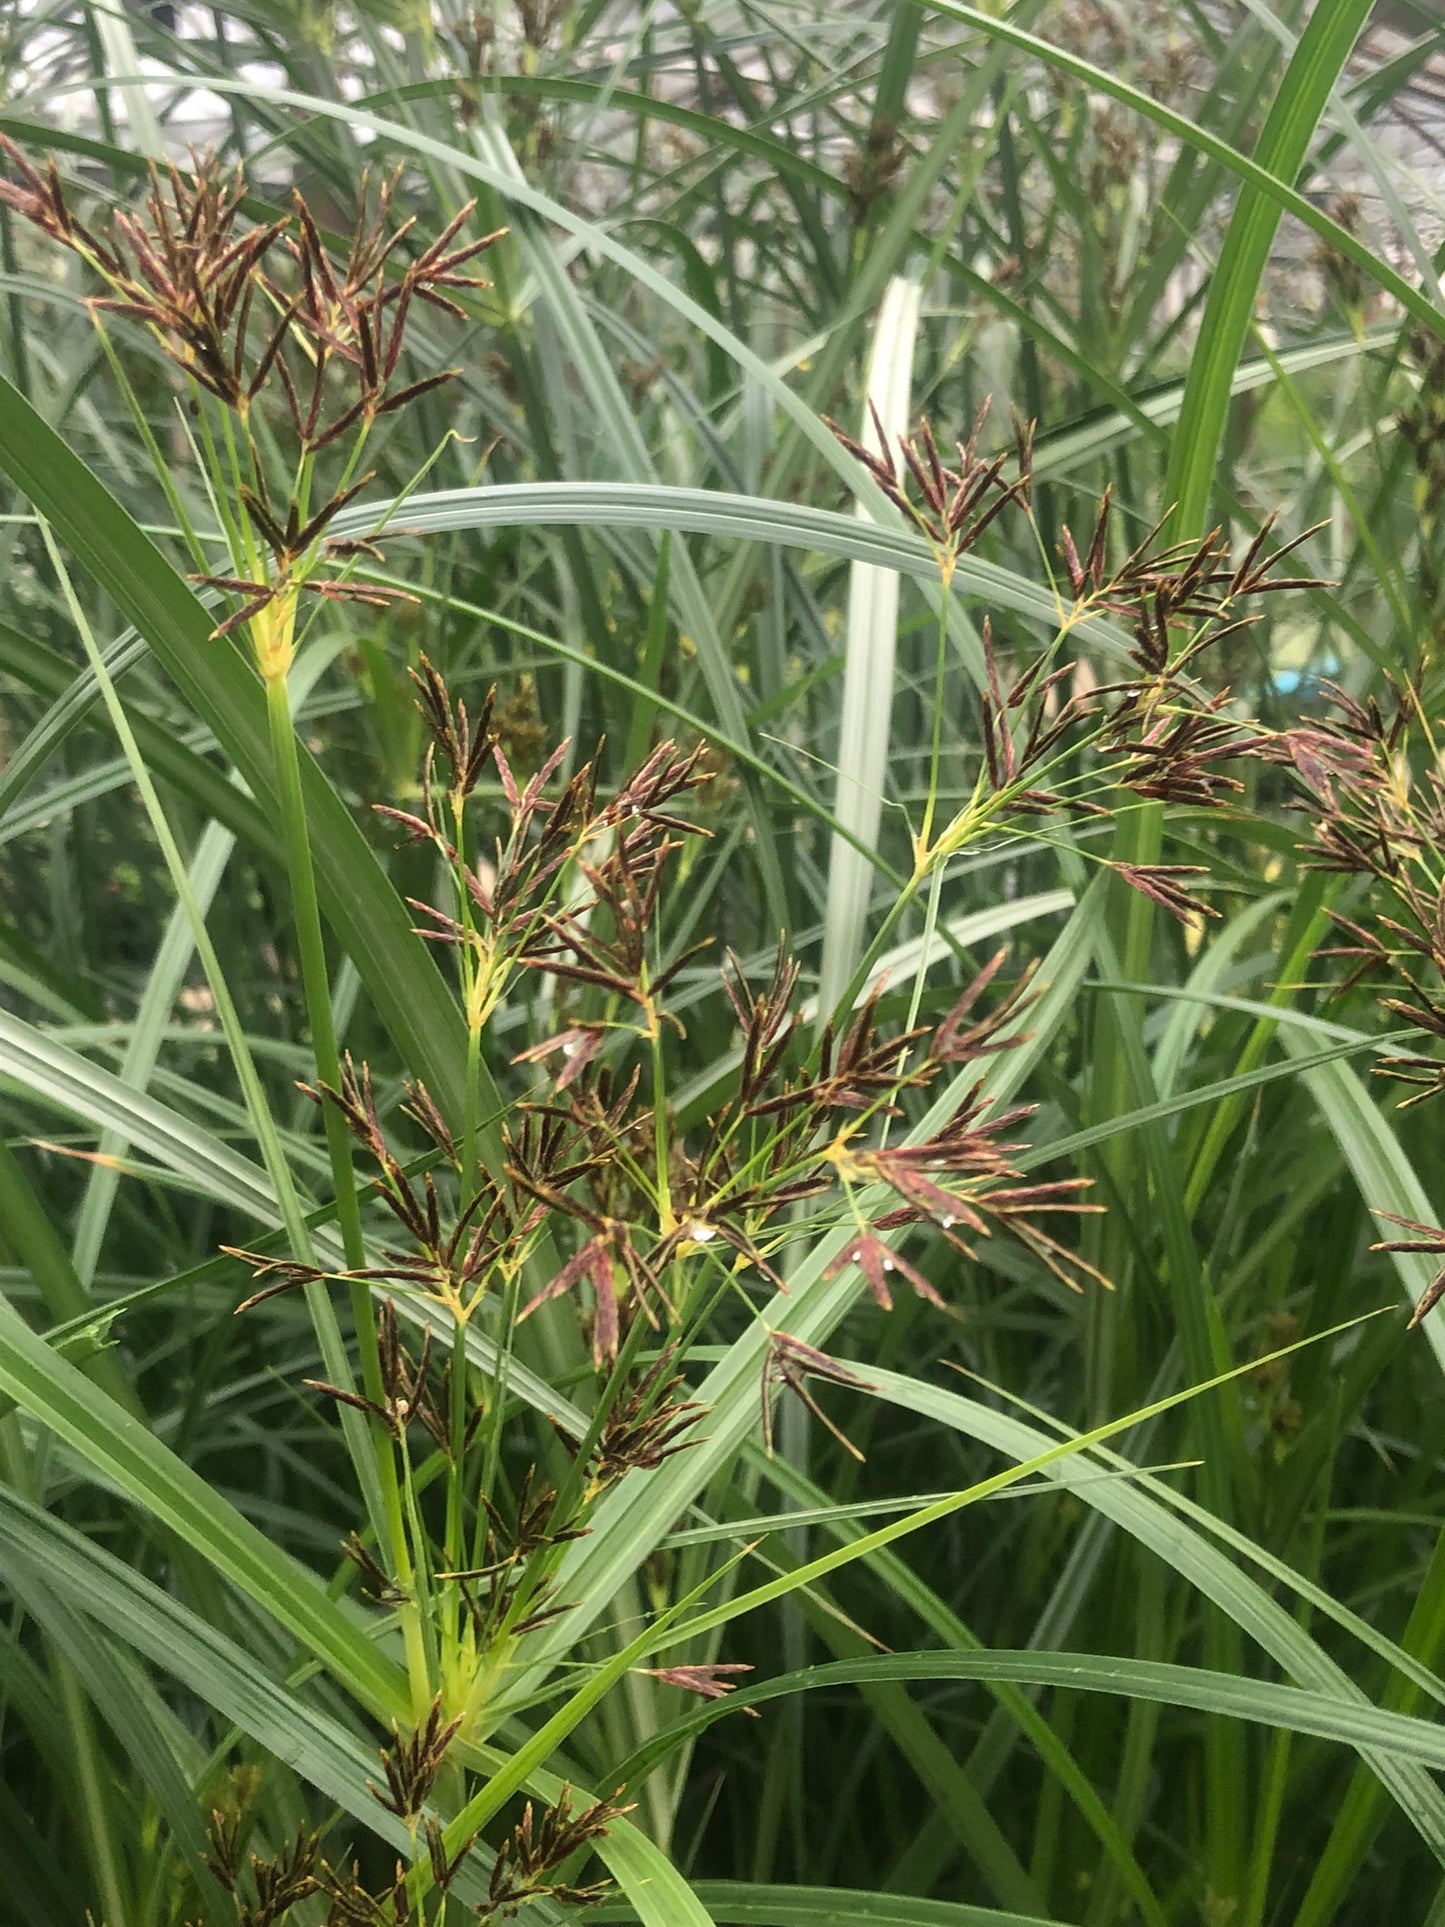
(935, 753)
(930, 927)
(457, 1436)
(258, 1110)
(666, 1220)
(477, 991)
(371, 1464)
(316, 985)
(90, 1787)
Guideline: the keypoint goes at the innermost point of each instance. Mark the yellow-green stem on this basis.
(471, 964)
(935, 754)
(930, 926)
(315, 980)
(456, 1522)
(316, 985)
(659, 1120)
(471, 1120)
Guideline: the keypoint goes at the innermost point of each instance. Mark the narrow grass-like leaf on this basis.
(745, 1903)
(865, 731)
(1304, 92)
(1386, 1178)
(125, 1451)
(1199, 1562)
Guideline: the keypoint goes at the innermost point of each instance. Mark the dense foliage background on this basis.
(1186, 1675)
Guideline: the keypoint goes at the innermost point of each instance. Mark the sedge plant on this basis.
(526, 1286)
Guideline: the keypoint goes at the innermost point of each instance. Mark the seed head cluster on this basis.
(266, 319)
(1060, 744)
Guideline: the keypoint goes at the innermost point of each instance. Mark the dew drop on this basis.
(888, 1265)
(701, 1233)
(947, 1219)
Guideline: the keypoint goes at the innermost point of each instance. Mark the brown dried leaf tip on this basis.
(509, 1593)
(1013, 750)
(245, 308)
(607, 1260)
(785, 1136)
(459, 1253)
(186, 265)
(354, 1904)
(510, 910)
(651, 1206)
(464, 745)
(379, 1586)
(964, 1181)
(1184, 584)
(1371, 815)
(963, 1037)
(879, 1262)
(408, 1395)
(1163, 736)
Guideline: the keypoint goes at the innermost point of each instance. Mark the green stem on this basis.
(316, 985)
(372, 1465)
(472, 991)
(659, 1120)
(471, 1118)
(930, 926)
(422, 1656)
(456, 1522)
(935, 754)
(920, 974)
(258, 1111)
(90, 1785)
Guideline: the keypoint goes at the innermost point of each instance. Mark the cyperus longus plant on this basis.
(589, 1199)
(655, 1229)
